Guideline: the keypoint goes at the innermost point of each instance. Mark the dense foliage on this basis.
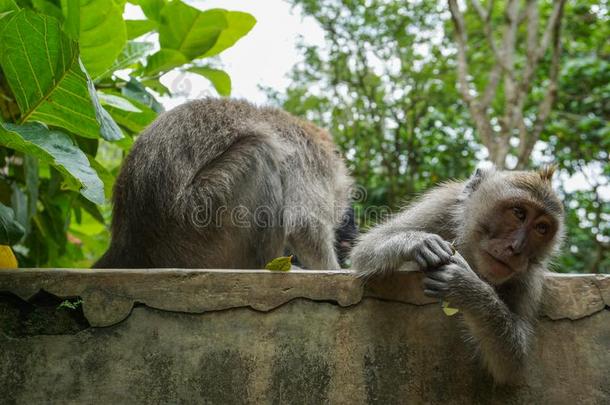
(77, 82)
(386, 84)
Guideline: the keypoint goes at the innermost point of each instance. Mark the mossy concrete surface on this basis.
(257, 337)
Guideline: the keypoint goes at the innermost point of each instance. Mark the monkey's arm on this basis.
(502, 335)
(417, 234)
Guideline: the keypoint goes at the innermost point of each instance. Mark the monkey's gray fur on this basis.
(499, 314)
(265, 179)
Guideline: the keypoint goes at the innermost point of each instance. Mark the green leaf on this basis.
(104, 174)
(164, 60)
(157, 86)
(448, 310)
(19, 203)
(73, 305)
(7, 9)
(72, 18)
(188, 30)
(134, 121)
(58, 150)
(186, 33)
(117, 102)
(32, 181)
(103, 34)
(137, 28)
(49, 8)
(151, 8)
(7, 6)
(219, 78)
(238, 25)
(50, 84)
(136, 91)
(11, 230)
(91, 208)
(283, 263)
(131, 54)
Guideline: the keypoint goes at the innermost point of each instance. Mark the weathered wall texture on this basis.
(233, 337)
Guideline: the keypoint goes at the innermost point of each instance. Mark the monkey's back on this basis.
(214, 155)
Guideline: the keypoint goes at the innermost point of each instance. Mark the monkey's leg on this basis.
(314, 246)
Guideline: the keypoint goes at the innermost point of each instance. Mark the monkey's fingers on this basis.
(434, 293)
(459, 260)
(438, 275)
(440, 248)
(423, 261)
(447, 248)
(435, 285)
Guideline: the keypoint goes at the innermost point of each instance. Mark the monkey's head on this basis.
(511, 221)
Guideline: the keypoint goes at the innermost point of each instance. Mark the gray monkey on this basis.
(220, 183)
(505, 225)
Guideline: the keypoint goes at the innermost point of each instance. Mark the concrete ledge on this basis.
(109, 295)
(250, 336)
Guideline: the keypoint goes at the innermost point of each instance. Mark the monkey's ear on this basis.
(477, 178)
(546, 173)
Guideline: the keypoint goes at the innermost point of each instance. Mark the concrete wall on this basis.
(303, 337)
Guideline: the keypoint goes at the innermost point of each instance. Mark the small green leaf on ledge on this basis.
(447, 309)
(283, 263)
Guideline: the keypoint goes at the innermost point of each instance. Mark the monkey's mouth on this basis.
(497, 267)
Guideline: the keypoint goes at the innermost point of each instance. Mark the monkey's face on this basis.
(517, 236)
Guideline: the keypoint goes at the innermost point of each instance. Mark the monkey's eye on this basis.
(542, 228)
(519, 213)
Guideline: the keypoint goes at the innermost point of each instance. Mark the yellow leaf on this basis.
(448, 310)
(7, 258)
(283, 263)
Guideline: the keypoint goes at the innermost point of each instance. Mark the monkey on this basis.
(221, 183)
(505, 226)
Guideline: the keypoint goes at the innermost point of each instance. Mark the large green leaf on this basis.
(164, 60)
(7, 9)
(186, 33)
(151, 8)
(238, 25)
(58, 150)
(135, 90)
(119, 102)
(136, 28)
(102, 34)
(11, 230)
(7, 6)
(71, 18)
(130, 55)
(50, 84)
(188, 30)
(219, 78)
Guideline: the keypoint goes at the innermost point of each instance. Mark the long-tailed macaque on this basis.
(224, 184)
(505, 225)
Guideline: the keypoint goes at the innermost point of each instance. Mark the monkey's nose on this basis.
(515, 248)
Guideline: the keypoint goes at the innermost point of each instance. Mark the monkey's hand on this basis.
(431, 252)
(455, 281)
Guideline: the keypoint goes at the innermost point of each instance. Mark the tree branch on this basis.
(478, 113)
(528, 141)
